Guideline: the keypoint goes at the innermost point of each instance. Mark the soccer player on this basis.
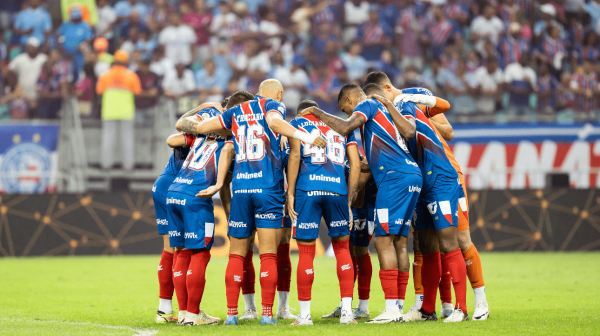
(437, 210)
(398, 180)
(317, 187)
(257, 202)
(164, 313)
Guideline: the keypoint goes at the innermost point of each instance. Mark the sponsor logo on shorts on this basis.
(321, 193)
(183, 180)
(399, 221)
(346, 267)
(265, 216)
(264, 274)
(412, 163)
(189, 272)
(248, 191)
(174, 234)
(309, 271)
(176, 201)
(247, 176)
(153, 188)
(432, 207)
(315, 177)
(308, 226)
(237, 278)
(237, 224)
(162, 222)
(414, 188)
(468, 262)
(189, 235)
(338, 223)
(160, 267)
(176, 274)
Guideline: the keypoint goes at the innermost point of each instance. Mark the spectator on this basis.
(390, 11)
(513, 45)
(118, 87)
(106, 20)
(319, 43)
(159, 15)
(211, 82)
(52, 87)
(104, 58)
(585, 87)
(356, 12)
(593, 9)
(270, 29)
(179, 83)
(541, 27)
(588, 50)
(84, 90)
(129, 45)
(473, 62)
(125, 9)
(160, 64)
(8, 11)
(150, 84)
(490, 51)
(409, 35)
(386, 64)
(520, 82)
(489, 80)
(144, 43)
(243, 28)
(178, 40)
(133, 21)
(324, 88)
(254, 64)
(459, 88)
(301, 17)
(326, 13)
(552, 48)
(27, 67)
(354, 62)
(13, 97)
(294, 80)
(547, 89)
(508, 12)
(436, 77)
(221, 21)
(71, 36)
(440, 32)
(457, 12)
(199, 19)
(566, 97)
(375, 34)
(33, 21)
(486, 27)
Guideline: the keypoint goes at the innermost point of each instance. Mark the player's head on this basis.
(238, 98)
(373, 89)
(306, 103)
(349, 96)
(381, 79)
(271, 88)
(225, 102)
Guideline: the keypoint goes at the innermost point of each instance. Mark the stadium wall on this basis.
(124, 223)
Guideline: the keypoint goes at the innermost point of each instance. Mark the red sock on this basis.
(196, 279)
(355, 263)
(402, 282)
(179, 277)
(365, 271)
(345, 268)
(248, 279)
(389, 283)
(431, 273)
(233, 282)
(268, 281)
(454, 264)
(305, 274)
(284, 268)
(165, 276)
(445, 287)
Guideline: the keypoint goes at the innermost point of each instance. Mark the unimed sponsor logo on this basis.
(338, 223)
(321, 193)
(414, 188)
(189, 235)
(399, 221)
(183, 180)
(265, 216)
(314, 177)
(248, 191)
(174, 234)
(246, 176)
(175, 201)
(307, 226)
(237, 224)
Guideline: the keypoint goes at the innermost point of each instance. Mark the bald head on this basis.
(271, 88)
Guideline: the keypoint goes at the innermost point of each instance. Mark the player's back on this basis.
(322, 168)
(175, 161)
(448, 152)
(258, 159)
(384, 148)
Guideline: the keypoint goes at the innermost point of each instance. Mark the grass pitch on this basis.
(528, 293)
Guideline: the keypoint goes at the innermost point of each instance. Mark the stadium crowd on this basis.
(496, 58)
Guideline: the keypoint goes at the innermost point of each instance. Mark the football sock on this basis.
(479, 294)
(179, 277)
(305, 274)
(304, 309)
(347, 304)
(365, 271)
(431, 272)
(165, 281)
(474, 270)
(454, 263)
(417, 264)
(268, 281)
(284, 268)
(196, 280)
(250, 301)
(418, 300)
(355, 263)
(363, 304)
(233, 282)
(165, 306)
(446, 287)
(345, 270)
(389, 284)
(283, 299)
(402, 282)
(248, 279)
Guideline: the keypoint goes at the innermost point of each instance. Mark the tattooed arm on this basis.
(406, 127)
(342, 126)
(193, 125)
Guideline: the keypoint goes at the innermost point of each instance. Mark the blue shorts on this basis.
(438, 207)
(287, 222)
(255, 208)
(364, 225)
(192, 219)
(159, 196)
(396, 199)
(311, 205)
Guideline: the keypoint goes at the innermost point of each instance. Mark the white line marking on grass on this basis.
(138, 332)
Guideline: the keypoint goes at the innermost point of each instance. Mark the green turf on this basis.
(533, 293)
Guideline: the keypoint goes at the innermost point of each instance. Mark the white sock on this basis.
(283, 299)
(364, 305)
(418, 300)
(304, 309)
(249, 299)
(165, 306)
(401, 305)
(479, 294)
(391, 304)
(347, 304)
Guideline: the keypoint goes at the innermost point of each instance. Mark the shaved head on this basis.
(271, 88)
(381, 79)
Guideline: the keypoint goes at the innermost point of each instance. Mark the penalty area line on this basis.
(138, 331)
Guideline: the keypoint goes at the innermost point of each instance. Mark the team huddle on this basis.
(407, 181)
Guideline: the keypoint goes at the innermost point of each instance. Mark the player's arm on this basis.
(342, 126)
(225, 194)
(442, 125)
(353, 176)
(278, 125)
(406, 127)
(227, 154)
(293, 168)
(433, 105)
(176, 140)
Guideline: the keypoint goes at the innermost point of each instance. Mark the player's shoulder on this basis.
(208, 112)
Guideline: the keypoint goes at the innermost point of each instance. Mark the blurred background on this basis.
(521, 75)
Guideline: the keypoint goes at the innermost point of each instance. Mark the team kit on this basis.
(406, 181)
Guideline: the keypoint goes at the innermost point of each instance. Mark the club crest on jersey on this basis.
(205, 116)
(432, 207)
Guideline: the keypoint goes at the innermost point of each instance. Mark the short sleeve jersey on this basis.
(258, 158)
(199, 171)
(322, 168)
(384, 148)
(426, 147)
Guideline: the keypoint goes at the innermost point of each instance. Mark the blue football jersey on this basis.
(322, 168)
(426, 148)
(176, 161)
(384, 148)
(418, 90)
(370, 187)
(199, 171)
(258, 159)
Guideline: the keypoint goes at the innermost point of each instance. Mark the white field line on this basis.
(138, 332)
